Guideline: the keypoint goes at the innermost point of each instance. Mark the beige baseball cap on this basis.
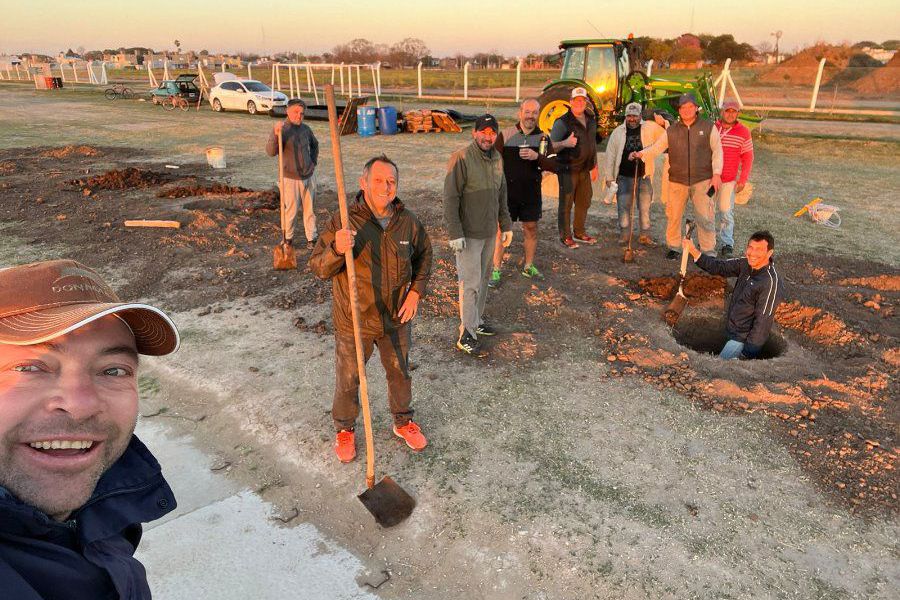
(579, 92)
(44, 300)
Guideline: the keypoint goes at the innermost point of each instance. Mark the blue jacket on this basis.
(90, 556)
(757, 293)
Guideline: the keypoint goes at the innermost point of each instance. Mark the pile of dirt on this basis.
(885, 80)
(7, 167)
(121, 179)
(820, 326)
(884, 283)
(188, 191)
(695, 286)
(802, 68)
(67, 151)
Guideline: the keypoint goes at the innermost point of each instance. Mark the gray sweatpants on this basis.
(299, 193)
(473, 267)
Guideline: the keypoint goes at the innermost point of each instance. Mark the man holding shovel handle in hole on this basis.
(392, 257)
(301, 155)
(757, 293)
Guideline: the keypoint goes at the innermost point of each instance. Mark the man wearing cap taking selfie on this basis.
(737, 154)
(475, 206)
(695, 171)
(574, 137)
(75, 483)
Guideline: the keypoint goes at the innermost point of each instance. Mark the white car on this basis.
(246, 94)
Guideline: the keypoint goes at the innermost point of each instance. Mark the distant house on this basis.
(450, 63)
(121, 60)
(9, 61)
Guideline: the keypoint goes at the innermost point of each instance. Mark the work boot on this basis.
(412, 435)
(585, 238)
(468, 343)
(673, 255)
(310, 244)
(345, 445)
(726, 252)
(494, 281)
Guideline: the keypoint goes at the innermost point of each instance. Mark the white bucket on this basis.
(215, 156)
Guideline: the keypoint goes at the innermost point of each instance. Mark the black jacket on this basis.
(757, 293)
(388, 262)
(523, 177)
(583, 157)
(90, 556)
(301, 149)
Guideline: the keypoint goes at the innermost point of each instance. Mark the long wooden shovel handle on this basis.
(351, 278)
(281, 182)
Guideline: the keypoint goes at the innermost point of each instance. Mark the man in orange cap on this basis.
(75, 483)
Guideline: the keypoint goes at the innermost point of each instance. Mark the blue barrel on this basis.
(365, 117)
(387, 120)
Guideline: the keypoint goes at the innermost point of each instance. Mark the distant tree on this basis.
(177, 46)
(861, 59)
(408, 52)
(867, 44)
(687, 54)
(891, 44)
(81, 50)
(722, 47)
(660, 51)
(641, 45)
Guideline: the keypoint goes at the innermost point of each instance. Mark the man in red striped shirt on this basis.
(737, 150)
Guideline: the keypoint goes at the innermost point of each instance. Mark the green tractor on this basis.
(608, 70)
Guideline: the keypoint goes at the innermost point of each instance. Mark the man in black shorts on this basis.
(524, 148)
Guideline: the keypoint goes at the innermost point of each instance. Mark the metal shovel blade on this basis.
(675, 308)
(284, 258)
(628, 256)
(387, 502)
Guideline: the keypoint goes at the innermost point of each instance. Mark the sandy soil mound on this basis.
(802, 68)
(885, 80)
(884, 283)
(201, 190)
(695, 286)
(819, 325)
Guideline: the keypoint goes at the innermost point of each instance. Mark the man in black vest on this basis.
(695, 170)
(574, 137)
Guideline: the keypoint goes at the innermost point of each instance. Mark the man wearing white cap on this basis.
(574, 137)
(737, 154)
(631, 136)
(75, 483)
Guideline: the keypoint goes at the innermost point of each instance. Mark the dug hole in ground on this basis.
(589, 454)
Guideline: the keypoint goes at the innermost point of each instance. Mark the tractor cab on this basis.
(602, 67)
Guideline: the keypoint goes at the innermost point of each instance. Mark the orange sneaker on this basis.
(345, 446)
(412, 435)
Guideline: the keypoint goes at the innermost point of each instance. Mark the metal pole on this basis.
(291, 83)
(341, 69)
(815, 96)
(649, 67)
(419, 70)
(312, 81)
(332, 74)
(724, 78)
(734, 89)
(466, 81)
(249, 71)
(518, 79)
(18, 75)
(375, 83)
(378, 73)
(358, 80)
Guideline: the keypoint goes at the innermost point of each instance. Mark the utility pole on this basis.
(777, 35)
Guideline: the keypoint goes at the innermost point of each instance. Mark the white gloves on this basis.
(506, 238)
(458, 245)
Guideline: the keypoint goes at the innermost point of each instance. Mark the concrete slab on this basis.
(186, 469)
(230, 550)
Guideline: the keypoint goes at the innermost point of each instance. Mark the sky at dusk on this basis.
(511, 28)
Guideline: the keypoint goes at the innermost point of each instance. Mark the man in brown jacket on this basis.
(392, 255)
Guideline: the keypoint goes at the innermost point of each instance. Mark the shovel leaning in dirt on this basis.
(679, 302)
(283, 256)
(628, 256)
(386, 500)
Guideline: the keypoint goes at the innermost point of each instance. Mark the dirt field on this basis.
(588, 454)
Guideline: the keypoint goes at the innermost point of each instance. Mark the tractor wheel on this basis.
(554, 104)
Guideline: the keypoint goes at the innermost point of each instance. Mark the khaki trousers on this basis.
(305, 191)
(704, 215)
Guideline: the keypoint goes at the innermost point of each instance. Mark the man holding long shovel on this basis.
(392, 264)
